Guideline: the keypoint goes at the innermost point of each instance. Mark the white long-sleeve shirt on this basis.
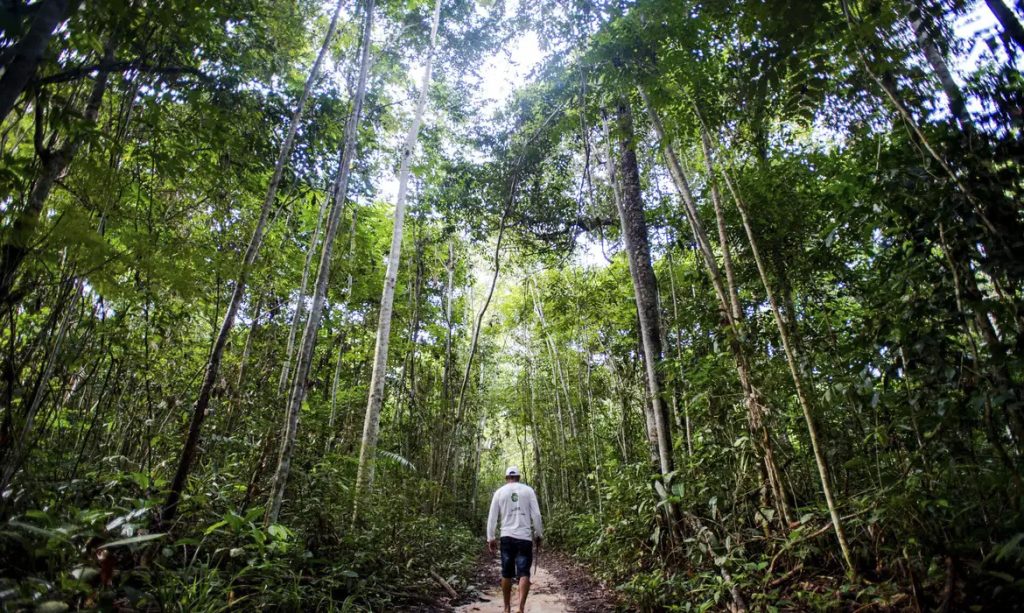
(516, 504)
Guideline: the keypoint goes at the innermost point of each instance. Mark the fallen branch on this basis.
(451, 591)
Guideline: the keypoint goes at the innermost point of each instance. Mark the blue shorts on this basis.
(516, 557)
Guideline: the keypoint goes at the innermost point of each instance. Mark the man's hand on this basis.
(537, 540)
(492, 546)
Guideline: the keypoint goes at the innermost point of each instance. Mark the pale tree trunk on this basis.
(728, 305)
(449, 290)
(305, 356)
(474, 341)
(723, 238)
(371, 425)
(332, 437)
(755, 404)
(679, 351)
(593, 440)
(798, 382)
(925, 39)
(542, 484)
(188, 451)
(300, 304)
(28, 52)
(645, 285)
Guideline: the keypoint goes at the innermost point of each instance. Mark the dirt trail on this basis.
(546, 596)
(559, 586)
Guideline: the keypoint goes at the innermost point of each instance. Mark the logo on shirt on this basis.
(515, 497)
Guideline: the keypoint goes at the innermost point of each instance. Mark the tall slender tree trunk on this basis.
(22, 443)
(53, 165)
(305, 356)
(28, 52)
(371, 424)
(687, 428)
(756, 407)
(332, 436)
(188, 450)
(300, 303)
(728, 305)
(798, 382)
(925, 39)
(538, 464)
(645, 285)
(449, 291)
(475, 340)
(243, 363)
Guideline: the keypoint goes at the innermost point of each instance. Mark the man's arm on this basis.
(538, 524)
(492, 518)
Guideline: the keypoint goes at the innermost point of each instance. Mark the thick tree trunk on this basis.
(1008, 20)
(371, 424)
(305, 356)
(27, 54)
(645, 285)
(188, 450)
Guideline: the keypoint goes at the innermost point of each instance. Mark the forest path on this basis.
(547, 595)
(559, 586)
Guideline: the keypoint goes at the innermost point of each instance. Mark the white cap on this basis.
(513, 471)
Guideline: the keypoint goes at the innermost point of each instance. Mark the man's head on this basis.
(512, 474)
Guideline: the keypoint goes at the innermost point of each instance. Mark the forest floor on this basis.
(559, 586)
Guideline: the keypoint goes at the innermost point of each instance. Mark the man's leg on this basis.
(524, 560)
(506, 592)
(524, 589)
(508, 571)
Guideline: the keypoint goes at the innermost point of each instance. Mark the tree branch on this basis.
(121, 66)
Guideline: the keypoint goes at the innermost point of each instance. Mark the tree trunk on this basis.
(798, 383)
(957, 105)
(645, 285)
(53, 166)
(22, 443)
(332, 436)
(756, 408)
(371, 425)
(240, 383)
(687, 428)
(27, 54)
(728, 305)
(188, 450)
(305, 356)
(301, 302)
(1007, 19)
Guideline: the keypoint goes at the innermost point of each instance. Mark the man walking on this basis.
(516, 504)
